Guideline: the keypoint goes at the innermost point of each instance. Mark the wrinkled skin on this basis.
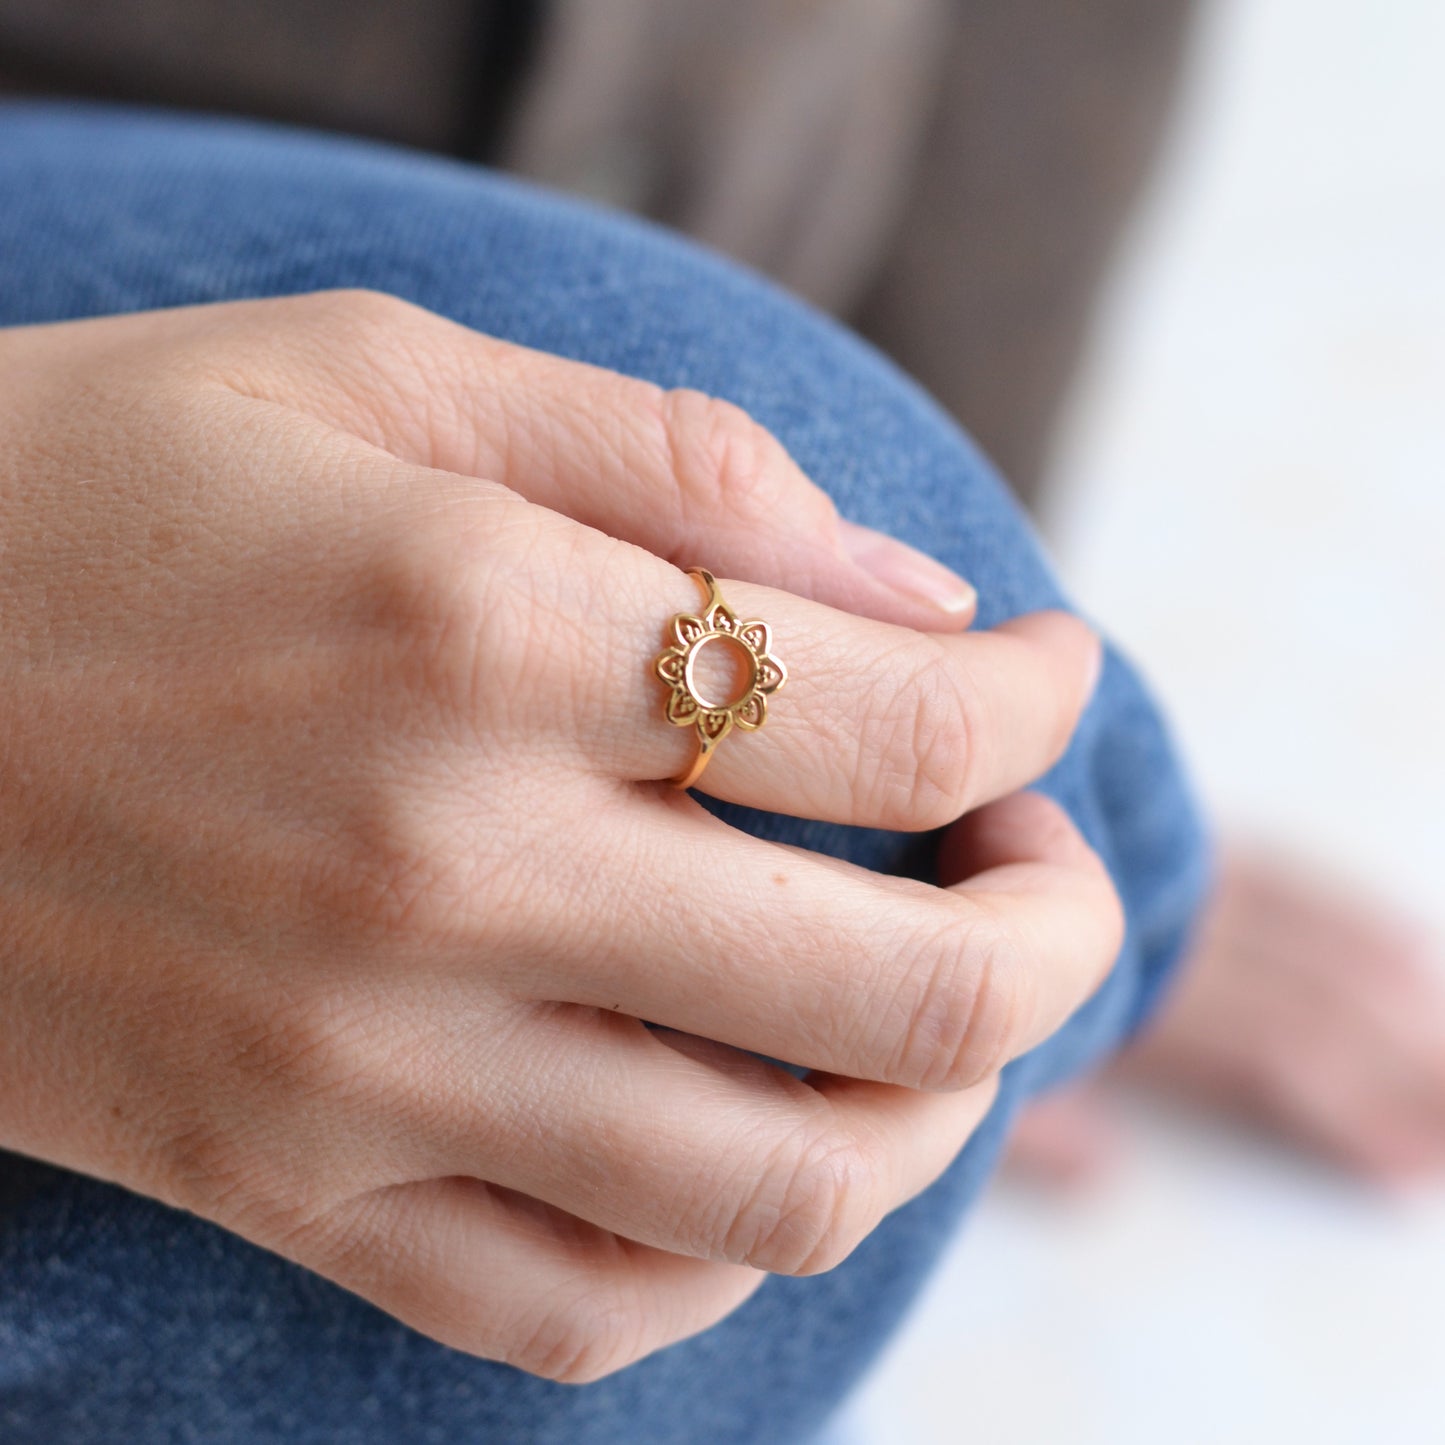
(339, 864)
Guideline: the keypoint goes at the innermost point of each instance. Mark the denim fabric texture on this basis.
(123, 1320)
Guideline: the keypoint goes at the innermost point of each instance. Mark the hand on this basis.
(1305, 1009)
(336, 867)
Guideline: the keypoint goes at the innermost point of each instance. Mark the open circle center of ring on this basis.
(689, 671)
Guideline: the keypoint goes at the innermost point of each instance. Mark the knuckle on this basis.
(406, 870)
(918, 757)
(458, 633)
(424, 602)
(359, 313)
(316, 1048)
(444, 634)
(961, 1009)
(387, 365)
(724, 462)
(811, 1207)
(319, 1038)
(196, 1164)
(586, 1338)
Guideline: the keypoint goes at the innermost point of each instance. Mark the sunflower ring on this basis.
(689, 635)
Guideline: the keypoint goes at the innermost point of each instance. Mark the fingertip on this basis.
(1068, 639)
(935, 597)
(1025, 827)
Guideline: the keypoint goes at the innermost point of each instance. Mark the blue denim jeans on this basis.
(123, 1320)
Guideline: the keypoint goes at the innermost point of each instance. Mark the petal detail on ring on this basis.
(715, 724)
(681, 707)
(721, 618)
(687, 628)
(753, 713)
(771, 674)
(756, 635)
(671, 665)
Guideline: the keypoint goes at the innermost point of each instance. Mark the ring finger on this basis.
(876, 725)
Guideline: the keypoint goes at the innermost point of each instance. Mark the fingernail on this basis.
(907, 570)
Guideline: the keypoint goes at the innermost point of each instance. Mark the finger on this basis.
(826, 965)
(686, 476)
(581, 620)
(1380, 1112)
(681, 1143)
(874, 725)
(1291, 913)
(1357, 1121)
(505, 1277)
(1065, 1140)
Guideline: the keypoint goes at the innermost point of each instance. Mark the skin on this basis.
(338, 864)
(1308, 1011)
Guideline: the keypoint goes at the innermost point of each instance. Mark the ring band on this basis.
(689, 635)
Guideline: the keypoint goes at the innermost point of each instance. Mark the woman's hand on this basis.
(335, 868)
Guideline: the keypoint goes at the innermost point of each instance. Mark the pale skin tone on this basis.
(339, 863)
(1307, 1010)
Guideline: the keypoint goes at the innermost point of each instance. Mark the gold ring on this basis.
(677, 666)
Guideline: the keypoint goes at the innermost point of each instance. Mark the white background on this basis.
(1252, 499)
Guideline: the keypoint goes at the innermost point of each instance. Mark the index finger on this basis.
(669, 469)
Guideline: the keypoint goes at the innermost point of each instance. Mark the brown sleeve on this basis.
(397, 69)
(1047, 118)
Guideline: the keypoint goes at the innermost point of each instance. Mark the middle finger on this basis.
(813, 960)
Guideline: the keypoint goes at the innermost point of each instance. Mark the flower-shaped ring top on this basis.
(677, 667)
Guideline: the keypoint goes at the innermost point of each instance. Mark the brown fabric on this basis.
(399, 69)
(1044, 130)
(779, 131)
(946, 174)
